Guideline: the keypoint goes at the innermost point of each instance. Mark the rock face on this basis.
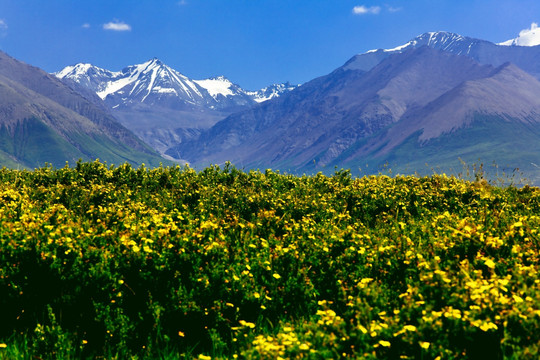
(44, 120)
(161, 105)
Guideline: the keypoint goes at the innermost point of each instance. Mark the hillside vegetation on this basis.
(117, 262)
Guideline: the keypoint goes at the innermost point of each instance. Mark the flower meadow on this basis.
(99, 261)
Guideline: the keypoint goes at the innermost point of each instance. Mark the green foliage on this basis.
(126, 262)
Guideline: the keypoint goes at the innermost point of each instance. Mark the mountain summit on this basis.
(428, 101)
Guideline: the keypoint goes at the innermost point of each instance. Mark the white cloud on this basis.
(85, 26)
(534, 28)
(361, 10)
(394, 9)
(117, 25)
(3, 27)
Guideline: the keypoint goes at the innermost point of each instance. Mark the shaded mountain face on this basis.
(323, 118)
(484, 52)
(161, 105)
(44, 120)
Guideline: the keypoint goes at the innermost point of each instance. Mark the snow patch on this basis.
(216, 86)
(113, 86)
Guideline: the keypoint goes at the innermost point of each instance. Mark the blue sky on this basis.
(252, 42)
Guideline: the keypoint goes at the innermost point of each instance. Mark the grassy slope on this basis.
(33, 143)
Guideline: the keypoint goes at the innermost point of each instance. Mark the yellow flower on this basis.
(204, 357)
(489, 263)
(424, 344)
(486, 326)
(304, 347)
(181, 334)
(384, 343)
(276, 276)
(246, 323)
(3, 346)
(363, 329)
(409, 328)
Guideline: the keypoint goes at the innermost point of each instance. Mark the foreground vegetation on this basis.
(117, 262)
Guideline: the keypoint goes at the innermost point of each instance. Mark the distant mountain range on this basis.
(432, 102)
(161, 105)
(42, 120)
(437, 99)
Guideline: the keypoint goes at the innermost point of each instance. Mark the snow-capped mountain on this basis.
(271, 92)
(87, 75)
(43, 120)
(153, 82)
(418, 105)
(482, 51)
(161, 105)
(440, 40)
(527, 37)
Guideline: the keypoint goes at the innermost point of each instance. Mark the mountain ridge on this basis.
(106, 83)
(482, 51)
(350, 101)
